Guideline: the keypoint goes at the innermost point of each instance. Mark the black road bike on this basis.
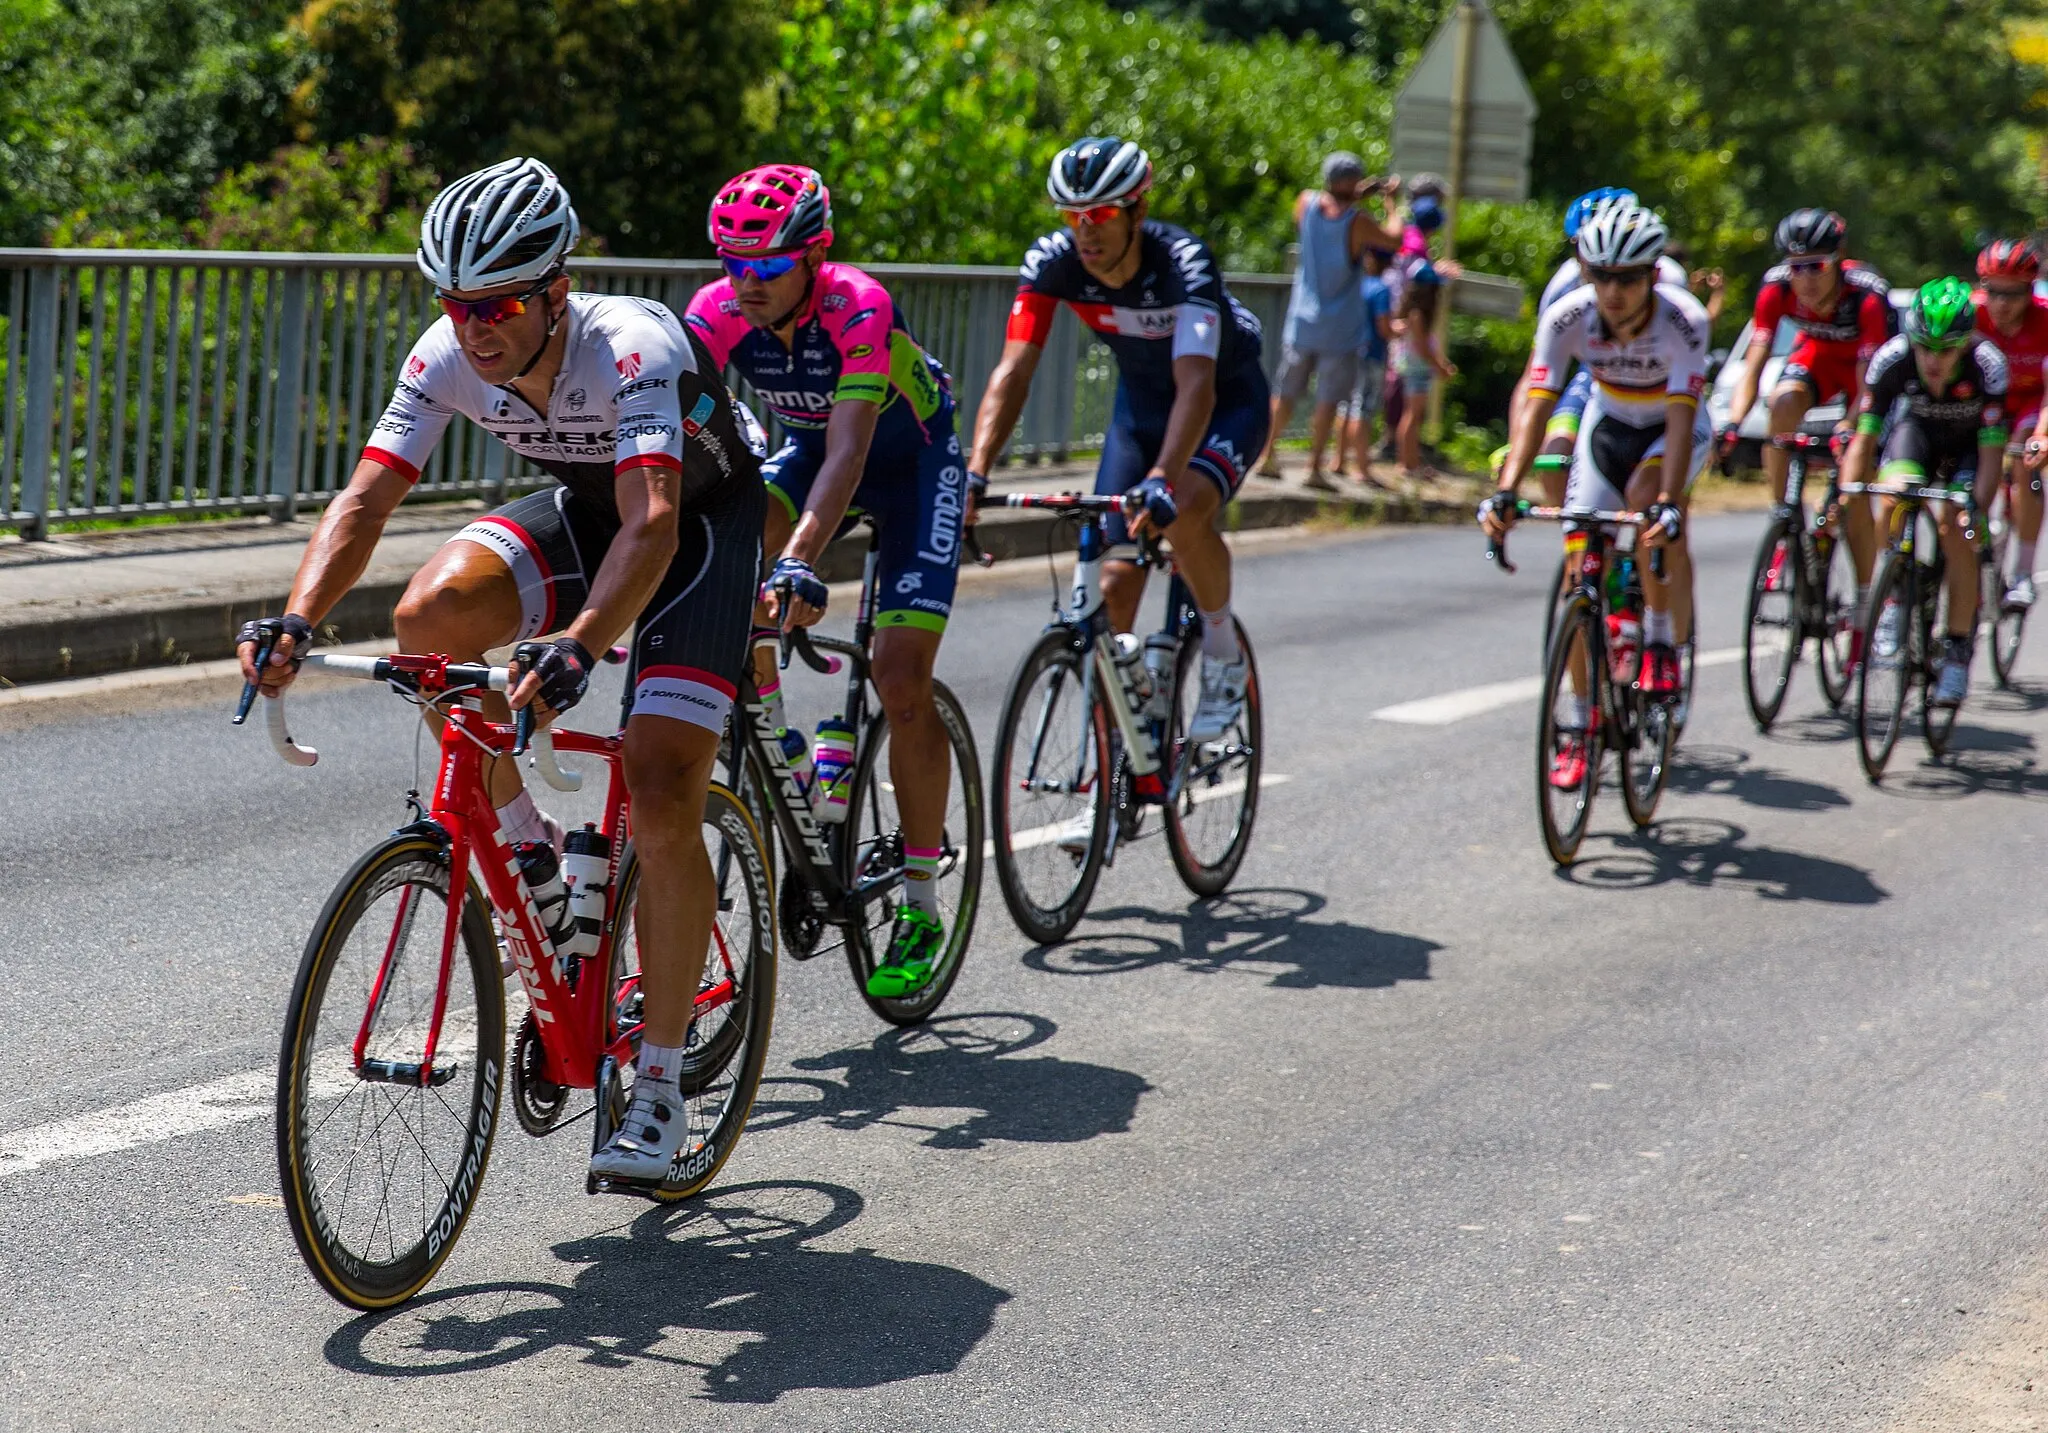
(1802, 587)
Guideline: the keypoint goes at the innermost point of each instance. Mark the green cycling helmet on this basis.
(1942, 314)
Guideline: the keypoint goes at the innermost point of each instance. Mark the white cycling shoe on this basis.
(1222, 704)
(2020, 596)
(1076, 834)
(648, 1139)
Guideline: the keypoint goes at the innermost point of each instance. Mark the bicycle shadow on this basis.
(726, 1285)
(1727, 771)
(1979, 759)
(952, 1064)
(1705, 852)
(1242, 932)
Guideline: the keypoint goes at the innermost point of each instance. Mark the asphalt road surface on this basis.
(1740, 1126)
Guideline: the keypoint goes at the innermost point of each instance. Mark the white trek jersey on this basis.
(1567, 278)
(1636, 379)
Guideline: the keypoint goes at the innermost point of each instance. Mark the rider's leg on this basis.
(668, 766)
(1961, 576)
(465, 601)
(920, 753)
(787, 475)
(2026, 517)
(1667, 601)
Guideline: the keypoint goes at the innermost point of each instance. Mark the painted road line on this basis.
(1476, 701)
(1046, 835)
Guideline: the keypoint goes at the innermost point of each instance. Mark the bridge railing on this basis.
(136, 383)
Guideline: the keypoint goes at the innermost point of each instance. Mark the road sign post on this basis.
(1465, 111)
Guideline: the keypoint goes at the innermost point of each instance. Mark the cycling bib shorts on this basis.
(1236, 437)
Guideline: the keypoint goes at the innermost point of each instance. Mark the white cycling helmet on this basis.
(1098, 170)
(509, 224)
(1622, 235)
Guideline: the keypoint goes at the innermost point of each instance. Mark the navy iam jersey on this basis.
(1175, 305)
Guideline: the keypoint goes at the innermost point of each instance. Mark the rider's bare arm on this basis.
(638, 557)
(1862, 452)
(1752, 375)
(1678, 420)
(335, 559)
(1530, 416)
(848, 432)
(1194, 402)
(1003, 401)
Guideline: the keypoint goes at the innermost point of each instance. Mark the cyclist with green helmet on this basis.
(1944, 387)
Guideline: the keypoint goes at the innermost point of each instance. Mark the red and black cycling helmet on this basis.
(2009, 259)
(1805, 233)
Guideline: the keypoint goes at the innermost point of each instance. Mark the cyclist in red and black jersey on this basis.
(1843, 312)
(2011, 316)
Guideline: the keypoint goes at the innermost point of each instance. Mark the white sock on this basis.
(1862, 603)
(1219, 636)
(659, 1064)
(1577, 711)
(771, 698)
(521, 819)
(1657, 627)
(2026, 561)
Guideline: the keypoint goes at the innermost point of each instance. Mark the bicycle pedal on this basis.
(649, 1189)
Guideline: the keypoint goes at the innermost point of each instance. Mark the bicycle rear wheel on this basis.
(1052, 789)
(1568, 732)
(1835, 605)
(379, 1165)
(1213, 790)
(1772, 633)
(2008, 625)
(1559, 596)
(877, 847)
(1645, 758)
(728, 1041)
(1891, 662)
(1937, 723)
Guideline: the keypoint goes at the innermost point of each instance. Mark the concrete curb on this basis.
(160, 634)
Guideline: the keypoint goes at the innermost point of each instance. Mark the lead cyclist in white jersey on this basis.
(1645, 344)
(656, 522)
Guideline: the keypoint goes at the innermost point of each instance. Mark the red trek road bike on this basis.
(394, 1048)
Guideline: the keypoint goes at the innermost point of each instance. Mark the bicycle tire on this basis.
(319, 1212)
(1895, 669)
(1835, 604)
(1563, 837)
(965, 843)
(1201, 874)
(1776, 610)
(1645, 760)
(1048, 916)
(1937, 723)
(2008, 624)
(1559, 597)
(720, 1072)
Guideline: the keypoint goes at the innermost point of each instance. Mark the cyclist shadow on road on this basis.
(1978, 759)
(1729, 771)
(958, 1080)
(1244, 932)
(1701, 851)
(727, 1285)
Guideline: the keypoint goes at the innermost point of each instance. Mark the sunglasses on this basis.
(1808, 266)
(765, 269)
(1622, 277)
(490, 311)
(1098, 214)
(1999, 291)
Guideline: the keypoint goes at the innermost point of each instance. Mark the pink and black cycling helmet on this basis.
(772, 209)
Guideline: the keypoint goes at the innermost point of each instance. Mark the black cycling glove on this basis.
(563, 667)
(264, 631)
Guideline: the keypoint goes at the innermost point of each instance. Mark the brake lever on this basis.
(982, 556)
(522, 729)
(265, 644)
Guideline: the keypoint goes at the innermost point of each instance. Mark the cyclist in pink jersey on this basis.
(868, 419)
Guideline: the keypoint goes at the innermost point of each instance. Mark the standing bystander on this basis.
(1355, 432)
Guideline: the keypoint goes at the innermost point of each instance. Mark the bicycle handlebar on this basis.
(1067, 502)
(1497, 548)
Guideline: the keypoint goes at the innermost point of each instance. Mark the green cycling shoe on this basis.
(914, 950)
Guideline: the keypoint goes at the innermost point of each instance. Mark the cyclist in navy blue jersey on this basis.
(1192, 403)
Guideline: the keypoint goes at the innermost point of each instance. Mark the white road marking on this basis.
(1476, 701)
(1046, 835)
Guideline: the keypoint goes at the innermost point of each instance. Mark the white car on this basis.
(1757, 425)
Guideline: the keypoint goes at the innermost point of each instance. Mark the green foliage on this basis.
(927, 131)
(365, 196)
(641, 105)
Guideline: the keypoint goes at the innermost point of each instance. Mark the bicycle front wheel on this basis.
(876, 851)
(1835, 606)
(735, 1003)
(2008, 624)
(1772, 634)
(380, 1160)
(1212, 793)
(1051, 780)
(1891, 662)
(1568, 733)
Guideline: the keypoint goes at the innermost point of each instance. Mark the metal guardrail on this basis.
(138, 382)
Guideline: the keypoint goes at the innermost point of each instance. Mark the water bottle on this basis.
(586, 863)
(834, 769)
(1162, 651)
(1131, 669)
(543, 876)
(1624, 643)
(796, 750)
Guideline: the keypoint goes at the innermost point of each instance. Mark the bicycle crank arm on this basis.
(401, 1072)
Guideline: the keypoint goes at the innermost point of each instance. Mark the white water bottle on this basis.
(834, 768)
(586, 866)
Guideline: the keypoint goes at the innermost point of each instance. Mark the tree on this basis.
(365, 196)
(642, 106)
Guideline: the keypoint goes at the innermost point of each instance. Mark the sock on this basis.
(1219, 636)
(920, 864)
(1577, 711)
(658, 1064)
(1862, 602)
(2026, 560)
(1657, 628)
(771, 698)
(521, 819)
